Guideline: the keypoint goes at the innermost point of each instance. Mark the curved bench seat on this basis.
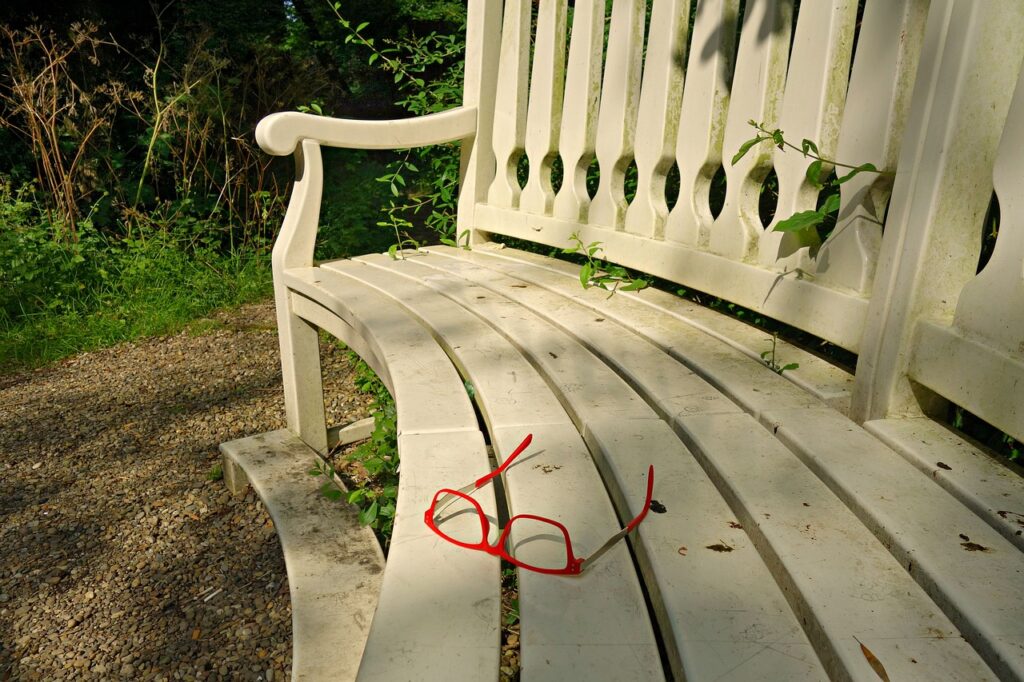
(811, 524)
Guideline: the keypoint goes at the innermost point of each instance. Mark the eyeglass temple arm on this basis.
(508, 461)
(629, 526)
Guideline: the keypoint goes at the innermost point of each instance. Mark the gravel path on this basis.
(119, 558)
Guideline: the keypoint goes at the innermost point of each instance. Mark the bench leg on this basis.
(300, 373)
(235, 479)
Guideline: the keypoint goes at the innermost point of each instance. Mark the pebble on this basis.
(112, 539)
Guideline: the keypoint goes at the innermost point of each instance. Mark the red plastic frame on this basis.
(573, 566)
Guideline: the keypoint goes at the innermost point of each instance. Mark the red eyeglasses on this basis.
(545, 546)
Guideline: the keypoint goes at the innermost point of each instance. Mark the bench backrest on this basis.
(919, 88)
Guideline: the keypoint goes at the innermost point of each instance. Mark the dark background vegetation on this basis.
(133, 197)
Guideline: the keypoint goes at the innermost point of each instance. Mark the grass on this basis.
(157, 289)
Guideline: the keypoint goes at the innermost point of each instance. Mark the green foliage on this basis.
(428, 71)
(351, 205)
(216, 473)
(817, 175)
(60, 297)
(596, 272)
(509, 596)
(378, 456)
(768, 358)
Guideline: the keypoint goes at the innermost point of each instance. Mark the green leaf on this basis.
(373, 57)
(356, 495)
(778, 139)
(585, 272)
(786, 368)
(448, 242)
(362, 26)
(368, 515)
(393, 251)
(800, 221)
(863, 168)
(809, 146)
(831, 204)
(814, 173)
(313, 472)
(635, 285)
(333, 494)
(745, 147)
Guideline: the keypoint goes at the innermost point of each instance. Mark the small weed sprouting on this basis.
(768, 358)
(509, 597)
(215, 473)
(397, 251)
(377, 494)
(600, 273)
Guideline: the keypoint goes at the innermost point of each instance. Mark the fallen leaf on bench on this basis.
(873, 661)
(974, 547)
(658, 507)
(682, 551)
(720, 547)
(943, 465)
(734, 524)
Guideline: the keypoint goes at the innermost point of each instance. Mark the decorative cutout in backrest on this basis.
(633, 102)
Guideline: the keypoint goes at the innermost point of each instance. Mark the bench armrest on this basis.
(279, 134)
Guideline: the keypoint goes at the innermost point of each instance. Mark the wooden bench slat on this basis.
(556, 478)
(877, 102)
(616, 124)
(544, 115)
(661, 95)
(730, 620)
(755, 94)
(989, 487)
(437, 399)
(579, 110)
(678, 388)
(846, 587)
(812, 108)
(439, 443)
(334, 568)
(509, 130)
(439, 611)
(669, 320)
(702, 119)
(482, 356)
(926, 529)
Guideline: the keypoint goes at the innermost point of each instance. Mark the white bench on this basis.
(817, 524)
